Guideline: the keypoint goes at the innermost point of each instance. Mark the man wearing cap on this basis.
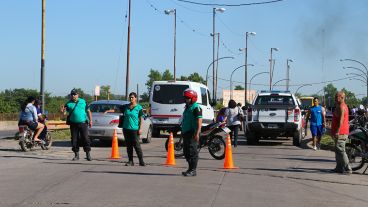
(78, 111)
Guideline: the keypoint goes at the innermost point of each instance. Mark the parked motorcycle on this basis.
(209, 137)
(27, 143)
(357, 145)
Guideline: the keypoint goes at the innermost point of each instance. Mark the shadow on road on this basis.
(131, 173)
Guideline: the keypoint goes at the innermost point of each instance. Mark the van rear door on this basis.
(207, 110)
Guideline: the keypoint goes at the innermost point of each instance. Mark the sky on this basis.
(86, 43)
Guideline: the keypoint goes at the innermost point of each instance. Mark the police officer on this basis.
(191, 128)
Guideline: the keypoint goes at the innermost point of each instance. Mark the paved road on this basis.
(7, 133)
(270, 174)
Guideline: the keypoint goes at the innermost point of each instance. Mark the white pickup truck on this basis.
(274, 114)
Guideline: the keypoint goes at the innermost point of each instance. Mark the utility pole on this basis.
(42, 87)
(128, 57)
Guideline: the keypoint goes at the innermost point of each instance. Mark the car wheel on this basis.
(297, 138)
(155, 132)
(148, 136)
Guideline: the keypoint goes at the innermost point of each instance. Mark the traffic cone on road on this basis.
(170, 160)
(228, 163)
(115, 146)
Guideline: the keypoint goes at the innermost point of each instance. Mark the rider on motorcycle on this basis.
(28, 116)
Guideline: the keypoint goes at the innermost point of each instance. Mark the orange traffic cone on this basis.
(170, 160)
(228, 163)
(115, 147)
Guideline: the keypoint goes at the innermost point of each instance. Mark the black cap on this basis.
(73, 91)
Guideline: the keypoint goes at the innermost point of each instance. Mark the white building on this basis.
(238, 96)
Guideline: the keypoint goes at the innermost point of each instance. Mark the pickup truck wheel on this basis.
(252, 138)
(297, 138)
(155, 132)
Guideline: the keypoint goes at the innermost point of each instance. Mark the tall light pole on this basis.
(246, 64)
(365, 67)
(214, 10)
(168, 12)
(288, 73)
(231, 80)
(302, 87)
(212, 63)
(271, 64)
(250, 81)
(42, 85)
(128, 55)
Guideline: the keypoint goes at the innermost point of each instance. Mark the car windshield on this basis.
(169, 94)
(101, 108)
(275, 100)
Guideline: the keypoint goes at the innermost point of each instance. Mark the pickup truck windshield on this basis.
(169, 94)
(275, 100)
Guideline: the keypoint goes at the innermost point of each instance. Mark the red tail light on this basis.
(249, 114)
(21, 129)
(296, 115)
(115, 121)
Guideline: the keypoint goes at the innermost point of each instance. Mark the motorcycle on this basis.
(209, 137)
(27, 143)
(357, 145)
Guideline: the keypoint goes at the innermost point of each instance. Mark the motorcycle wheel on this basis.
(25, 142)
(355, 157)
(216, 147)
(48, 142)
(178, 146)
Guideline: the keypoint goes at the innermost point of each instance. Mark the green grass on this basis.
(327, 142)
(62, 134)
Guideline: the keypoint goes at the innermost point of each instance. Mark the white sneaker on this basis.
(314, 148)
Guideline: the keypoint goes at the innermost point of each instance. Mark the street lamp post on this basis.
(212, 63)
(246, 63)
(231, 80)
(214, 10)
(302, 87)
(279, 82)
(250, 81)
(365, 67)
(288, 73)
(168, 12)
(271, 70)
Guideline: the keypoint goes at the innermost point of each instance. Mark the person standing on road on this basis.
(340, 132)
(132, 128)
(80, 120)
(232, 118)
(317, 122)
(191, 128)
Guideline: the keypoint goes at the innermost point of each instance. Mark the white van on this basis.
(167, 104)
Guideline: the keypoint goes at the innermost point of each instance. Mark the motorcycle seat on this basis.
(208, 127)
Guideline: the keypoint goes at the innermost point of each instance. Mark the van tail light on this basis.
(115, 121)
(296, 115)
(249, 114)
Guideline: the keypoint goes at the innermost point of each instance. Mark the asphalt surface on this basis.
(269, 174)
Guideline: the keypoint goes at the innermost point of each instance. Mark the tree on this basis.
(330, 92)
(238, 87)
(144, 97)
(166, 75)
(350, 98)
(195, 77)
(183, 78)
(154, 75)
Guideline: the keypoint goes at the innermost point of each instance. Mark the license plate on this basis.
(100, 132)
(226, 130)
(272, 126)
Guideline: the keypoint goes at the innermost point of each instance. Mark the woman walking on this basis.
(232, 115)
(132, 128)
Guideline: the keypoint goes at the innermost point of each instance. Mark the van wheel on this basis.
(297, 138)
(155, 132)
(148, 136)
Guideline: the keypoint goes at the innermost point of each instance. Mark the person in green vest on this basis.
(80, 120)
(190, 129)
(132, 128)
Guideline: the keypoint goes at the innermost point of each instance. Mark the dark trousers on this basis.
(234, 134)
(132, 141)
(190, 149)
(79, 132)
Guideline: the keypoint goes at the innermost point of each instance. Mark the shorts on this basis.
(31, 124)
(316, 130)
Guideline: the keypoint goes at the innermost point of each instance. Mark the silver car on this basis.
(105, 119)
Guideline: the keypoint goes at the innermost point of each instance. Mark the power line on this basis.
(233, 5)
